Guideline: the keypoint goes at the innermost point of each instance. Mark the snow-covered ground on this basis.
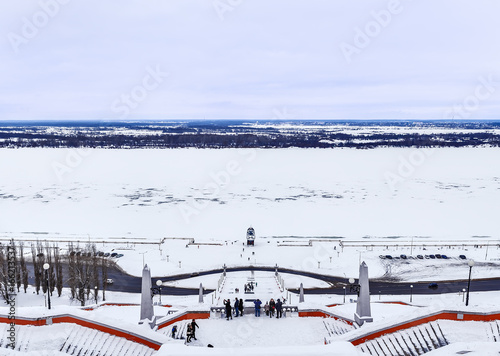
(205, 194)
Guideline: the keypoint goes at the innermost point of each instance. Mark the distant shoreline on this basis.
(250, 134)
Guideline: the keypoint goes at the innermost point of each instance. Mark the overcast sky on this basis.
(262, 59)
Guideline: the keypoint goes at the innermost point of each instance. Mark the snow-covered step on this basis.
(413, 341)
(336, 327)
(75, 340)
(117, 345)
(99, 340)
(181, 329)
(106, 344)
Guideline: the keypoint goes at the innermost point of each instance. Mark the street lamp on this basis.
(46, 267)
(411, 292)
(344, 294)
(354, 287)
(463, 295)
(157, 289)
(95, 294)
(471, 264)
(159, 284)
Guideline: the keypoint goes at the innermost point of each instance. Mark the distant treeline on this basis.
(230, 136)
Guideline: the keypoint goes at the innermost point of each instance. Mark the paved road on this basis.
(126, 283)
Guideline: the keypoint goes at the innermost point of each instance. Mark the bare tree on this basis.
(24, 269)
(18, 268)
(36, 269)
(50, 271)
(4, 279)
(58, 270)
(104, 276)
(95, 271)
(82, 270)
(40, 261)
(72, 270)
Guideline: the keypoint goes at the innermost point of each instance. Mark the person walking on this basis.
(174, 330)
(236, 307)
(272, 306)
(279, 309)
(193, 328)
(189, 333)
(241, 307)
(266, 308)
(257, 307)
(227, 303)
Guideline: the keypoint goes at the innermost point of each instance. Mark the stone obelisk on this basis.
(301, 295)
(146, 299)
(363, 312)
(200, 294)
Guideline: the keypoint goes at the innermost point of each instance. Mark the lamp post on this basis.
(463, 295)
(157, 289)
(471, 264)
(46, 267)
(411, 292)
(159, 284)
(344, 294)
(142, 253)
(95, 294)
(354, 287)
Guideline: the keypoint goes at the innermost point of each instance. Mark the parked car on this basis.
(463, 257)
(101, 253)
(432, 256)
(427, 256)
(109, 281)
(114, 254)
(433, 285)
(119, 255)
(444, 257)
(403, 257)
(420, 257)
(106, 254)
(438, 255)
(389, 257)
(382, 257)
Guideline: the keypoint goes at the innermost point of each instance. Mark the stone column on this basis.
(363, 312)
(200, 294)
(146, 299)
(301, 295)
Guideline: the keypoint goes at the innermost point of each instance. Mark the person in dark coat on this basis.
(240, 307)
(227, 303)
(257, 307)
(279, 309)
(236, 307)
(193, 328)
(272, 306)
(174, 330)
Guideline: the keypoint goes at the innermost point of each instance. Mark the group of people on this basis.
(249, 287)
(190, 332)
(271, 308)
(237, 307)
